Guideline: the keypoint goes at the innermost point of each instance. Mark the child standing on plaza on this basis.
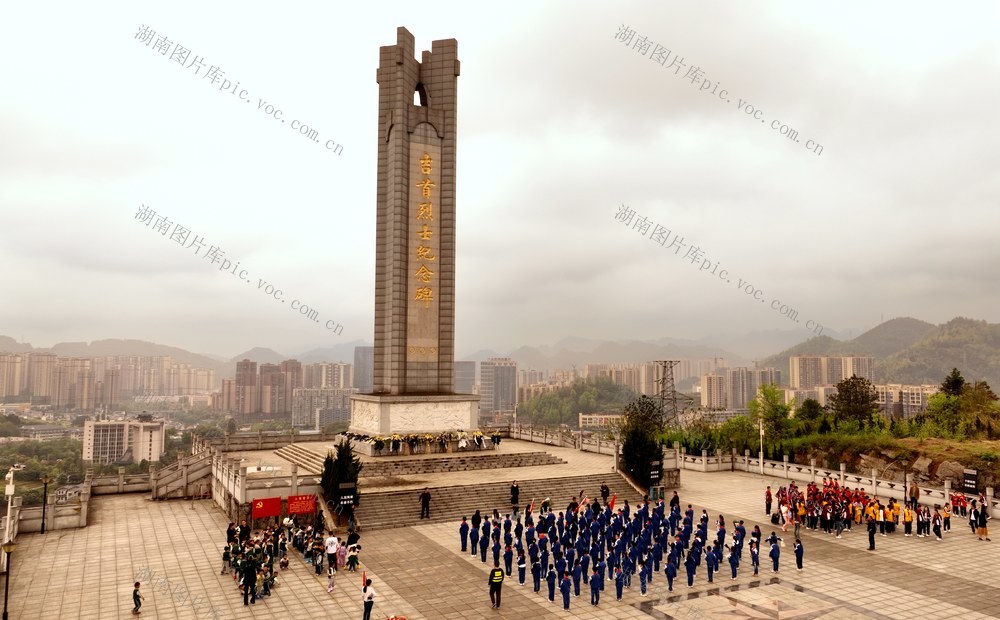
(137, 600)
(331, 579)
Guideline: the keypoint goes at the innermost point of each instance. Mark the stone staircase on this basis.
(387, 509)
(189, 476)
(312, 462)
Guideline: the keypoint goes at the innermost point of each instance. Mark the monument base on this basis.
(376, 414)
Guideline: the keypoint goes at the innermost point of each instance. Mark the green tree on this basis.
(809, 411)
(738, 433)
(641, 424)
(344, 466)
(953, 383)
(769, 407)
(231, 427)
(563, 405)
(855, 401)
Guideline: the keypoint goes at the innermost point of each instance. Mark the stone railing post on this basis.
(947, 493)
(746, 460)
(874, 481)
(121, 479)
(784, 459)
(154, 474)
(989, 499)
(843, 473)
(812, 470)
(243, 484)
(295, 479)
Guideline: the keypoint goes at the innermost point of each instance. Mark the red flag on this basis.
(583, 502)
(611, 504)
(266, 507)
(364, 578)
(531, 506)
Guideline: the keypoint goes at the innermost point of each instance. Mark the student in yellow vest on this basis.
(946, 514)
(496, 583)
(907, 521)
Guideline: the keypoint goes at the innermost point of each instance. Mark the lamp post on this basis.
(9, 492)
(761, 422)
(45, 496)
(8, 548)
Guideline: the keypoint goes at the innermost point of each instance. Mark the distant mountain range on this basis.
(907, 350)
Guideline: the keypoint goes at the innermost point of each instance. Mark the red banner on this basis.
(267, 507)
(301, 504)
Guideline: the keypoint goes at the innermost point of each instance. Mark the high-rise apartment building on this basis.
(364, 369)
(497, 387)
(317, 408)
(806, 372)
(327, 375)
(245, 389)
(463, 377)
(713, 391)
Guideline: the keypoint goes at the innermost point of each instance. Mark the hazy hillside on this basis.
(261, 355)
(892, 336)
(908, 350)
(971, 346)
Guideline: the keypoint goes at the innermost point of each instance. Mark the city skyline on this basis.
(843, 238)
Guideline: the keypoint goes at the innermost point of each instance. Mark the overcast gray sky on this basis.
(560, 124)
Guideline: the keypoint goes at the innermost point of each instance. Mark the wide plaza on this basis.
(174, 548)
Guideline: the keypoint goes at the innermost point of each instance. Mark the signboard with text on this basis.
(970, 481)
(301, 504)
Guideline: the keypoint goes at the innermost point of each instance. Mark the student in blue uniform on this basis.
(522, 565)
(577, 577)
(711, 562)
(754, 556)
(564, 587)
(463, 533)
(643, 575)
(670, 570)
(473, 538)
(734, 561)
(508, 559)
(619, 582)
(550, 579)
(536, 575)
(595, 588)
(774, 554)
(484, 544)
(798, 554)
(691, 565)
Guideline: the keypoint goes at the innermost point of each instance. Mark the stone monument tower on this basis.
(415, 247)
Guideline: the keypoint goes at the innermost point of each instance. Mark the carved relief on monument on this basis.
(365, 417)
(431, 417)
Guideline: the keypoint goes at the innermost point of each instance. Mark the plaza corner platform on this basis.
(419, 572)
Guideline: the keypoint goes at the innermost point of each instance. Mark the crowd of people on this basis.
(593, 543)
(251, 555)
(833, 509)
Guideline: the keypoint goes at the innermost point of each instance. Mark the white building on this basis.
(135, 440)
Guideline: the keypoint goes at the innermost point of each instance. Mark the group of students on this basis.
(591, 544)
(251, 557)
(833, 509)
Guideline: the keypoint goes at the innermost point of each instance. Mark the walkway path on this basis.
(419, 571)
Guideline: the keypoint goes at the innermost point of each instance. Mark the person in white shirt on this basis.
(332, 544)
(368, 599)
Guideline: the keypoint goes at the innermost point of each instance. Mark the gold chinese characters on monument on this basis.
(424, 254)
(423, 248)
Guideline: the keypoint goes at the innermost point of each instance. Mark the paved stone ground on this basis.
(419, 571)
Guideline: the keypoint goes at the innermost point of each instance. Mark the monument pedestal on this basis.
(377, 414)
